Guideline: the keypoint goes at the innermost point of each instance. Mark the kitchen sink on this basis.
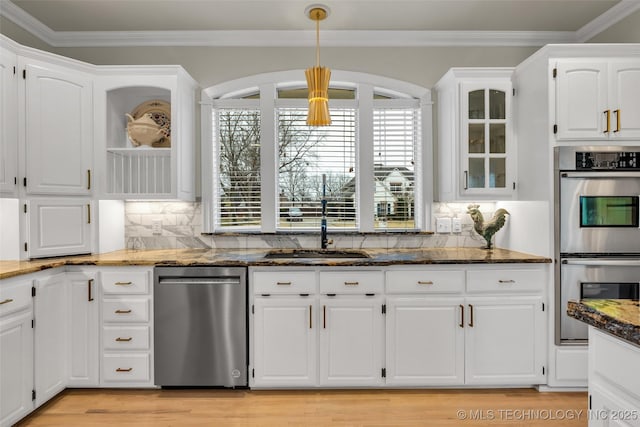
(315, 253)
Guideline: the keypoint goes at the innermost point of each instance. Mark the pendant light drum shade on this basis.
(318, 77)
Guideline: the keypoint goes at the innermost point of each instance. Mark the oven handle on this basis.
(635, 262)
(603, 174)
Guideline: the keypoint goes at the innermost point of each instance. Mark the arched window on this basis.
(265, 170)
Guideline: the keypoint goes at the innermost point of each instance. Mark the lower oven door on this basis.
(593, 278)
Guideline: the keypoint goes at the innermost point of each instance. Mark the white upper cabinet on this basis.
(476, 149)
(8, 122)
(128, 169)
(58, 131)
(597, 99)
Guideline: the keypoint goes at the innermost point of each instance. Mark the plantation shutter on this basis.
(396, 132)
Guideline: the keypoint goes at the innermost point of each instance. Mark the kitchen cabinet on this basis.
(614, 392)
(8, 123)
(58, 133)
(59, 226)
(597, 99)
(476, 147)
(16, 350)
(83, 329)
(126, 350)
(51, 309)
(127, 171)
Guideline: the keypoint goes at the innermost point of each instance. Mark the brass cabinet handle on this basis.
(425, 282)
(88, 179)
(461, 324)
(124, 369)
(88, 213)
(351, 283)
(123, 283)
(283, 283)
(617, 113)
(324, 317)
(310, 316)
(123, 311)
(471, 315)
(506, 281)
(7, 301)
(119, 339)
(89, 293)
(608, 114)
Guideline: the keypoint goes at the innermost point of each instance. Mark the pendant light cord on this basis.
(318, 38)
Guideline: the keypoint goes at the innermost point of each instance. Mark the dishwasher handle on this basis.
(200, 281)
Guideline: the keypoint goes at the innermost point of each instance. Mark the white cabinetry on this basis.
(475, 138)
(129, 171)
(83, 329)
(58, 128)
(597, 99)
(16, 350)
(59, 226)
(51, 337)
(8, 122)
(127, 309)
(614, 386)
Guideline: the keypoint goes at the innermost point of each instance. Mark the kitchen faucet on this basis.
(323, 222)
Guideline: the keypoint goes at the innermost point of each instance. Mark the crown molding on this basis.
(329, 38)
(612, 16)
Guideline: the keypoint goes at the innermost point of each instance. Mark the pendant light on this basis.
(318, 77)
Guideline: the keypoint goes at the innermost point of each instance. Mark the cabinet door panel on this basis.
(58, 131)
(83, 329)
(425, 341)
(625, 100)
(8, 122)
(59, 227)
(284, 342)
(504, 341)
(351, 341)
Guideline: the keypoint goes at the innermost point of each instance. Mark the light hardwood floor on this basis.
(210, 407)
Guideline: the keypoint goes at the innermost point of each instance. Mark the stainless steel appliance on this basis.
(200, 326)
(597, 229)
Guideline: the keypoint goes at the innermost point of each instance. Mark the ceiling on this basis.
(283, 22)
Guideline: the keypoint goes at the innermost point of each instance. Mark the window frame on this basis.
(366, 85)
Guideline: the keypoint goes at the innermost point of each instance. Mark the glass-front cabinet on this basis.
(474, 135)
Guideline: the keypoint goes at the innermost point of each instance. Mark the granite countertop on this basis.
(619, 317)
(255, 257)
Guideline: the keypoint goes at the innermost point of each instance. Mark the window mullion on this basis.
(364, 158)
(268, 156)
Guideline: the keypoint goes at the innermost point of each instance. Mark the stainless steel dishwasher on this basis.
(200, 326)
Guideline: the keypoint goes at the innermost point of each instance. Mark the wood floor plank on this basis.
(359, 408)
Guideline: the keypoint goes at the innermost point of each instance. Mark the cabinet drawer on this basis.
(126, 367)
(15, 297)
(284, 282)
(424, 281)
(125, 337)
(351, 282)
(505, 280)
(132, 281)
(125, 310)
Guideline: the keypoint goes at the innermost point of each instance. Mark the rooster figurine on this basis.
(487, 230)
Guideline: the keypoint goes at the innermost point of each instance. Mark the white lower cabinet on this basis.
(284, 341)
(16, 350)
(51, 306)
(83, 329)
(351, 341)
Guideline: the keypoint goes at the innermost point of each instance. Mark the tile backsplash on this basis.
(170, 225)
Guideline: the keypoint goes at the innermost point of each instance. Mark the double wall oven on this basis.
(597, 229)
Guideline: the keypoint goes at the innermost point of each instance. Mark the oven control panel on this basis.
(621, 160)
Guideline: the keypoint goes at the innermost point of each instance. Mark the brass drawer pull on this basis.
(506, 281)
(351, 283)
(124, 369)
(7, 301)
(283, 283)
(89, 293)
(123, 311)
(119, 339)
(425, 282)
(123, 283)
(471, 315)
(461, 324)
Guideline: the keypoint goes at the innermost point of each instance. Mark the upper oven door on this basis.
(599, 212)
